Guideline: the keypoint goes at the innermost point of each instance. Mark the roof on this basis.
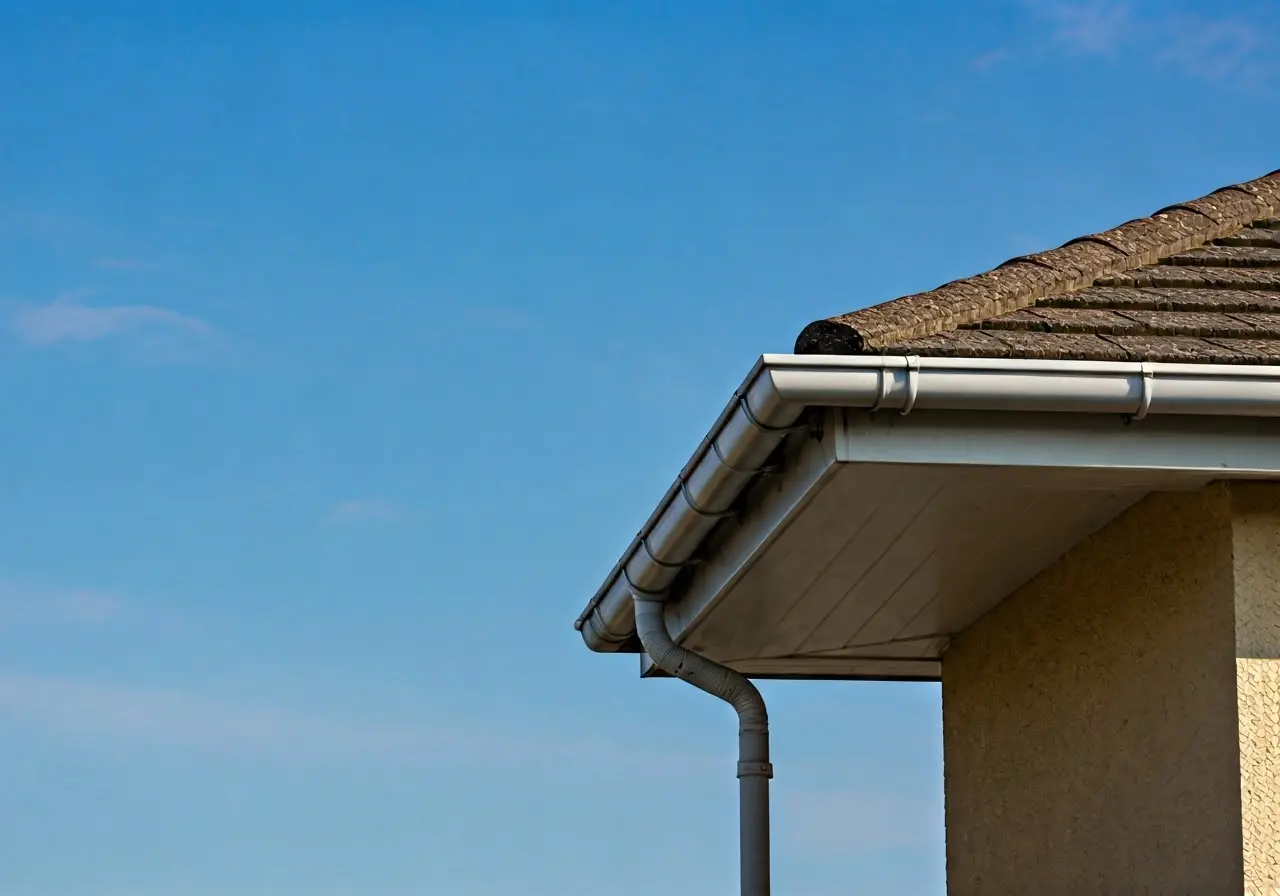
(1195, 282)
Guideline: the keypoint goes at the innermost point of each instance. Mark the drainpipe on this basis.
(754, 768)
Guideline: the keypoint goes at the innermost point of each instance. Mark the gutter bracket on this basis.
(767, 468)
(913, 383)
(1148, 390)
(699, 509)
(882, 388)
(764, 427)
(664, 564)
(641, 593)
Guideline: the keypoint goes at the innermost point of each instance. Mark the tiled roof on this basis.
(1195, 282)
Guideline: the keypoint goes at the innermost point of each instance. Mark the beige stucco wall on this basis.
(1256, 550)
(1092, 733)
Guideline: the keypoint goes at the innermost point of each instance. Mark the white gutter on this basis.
(780, 388)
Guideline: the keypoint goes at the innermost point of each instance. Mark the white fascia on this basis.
(773, 400)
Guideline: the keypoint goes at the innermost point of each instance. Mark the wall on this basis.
(1090, 720)
(1256, 547)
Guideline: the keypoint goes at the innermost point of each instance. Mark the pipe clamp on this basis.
(755, 769)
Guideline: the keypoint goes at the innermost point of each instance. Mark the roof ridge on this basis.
(1020, 282)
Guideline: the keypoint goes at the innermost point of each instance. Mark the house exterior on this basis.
(1055, 488)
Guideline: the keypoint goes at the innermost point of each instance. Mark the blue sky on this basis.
(346, 345)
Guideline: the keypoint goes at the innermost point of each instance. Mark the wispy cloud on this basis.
(985, 62)
(21, 606)
(98, 715)
(68, 319)
(364, 512)
(1214, 47)
(82, 710)
(840, 822)
(1092, 28)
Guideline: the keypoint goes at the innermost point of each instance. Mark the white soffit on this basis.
(888, 534)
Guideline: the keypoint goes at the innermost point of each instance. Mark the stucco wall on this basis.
(1256, 543)
(1090, 720)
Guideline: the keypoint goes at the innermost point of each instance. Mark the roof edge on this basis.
(781, 387)
(1020, 282)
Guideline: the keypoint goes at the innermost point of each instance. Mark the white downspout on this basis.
(754, 768)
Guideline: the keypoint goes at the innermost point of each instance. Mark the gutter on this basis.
(780, 388)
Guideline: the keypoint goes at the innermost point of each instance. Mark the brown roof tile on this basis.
(1229, 257)
(1179, 277)
(1197, 281)
(1157, 299)
(1013, 344)
(1268, 350)
(1179, 350)
(1266, 235)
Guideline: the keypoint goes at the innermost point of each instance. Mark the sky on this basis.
(346, 345)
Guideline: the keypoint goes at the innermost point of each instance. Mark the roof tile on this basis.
(1197, 281)
(1178, 276)
(1179, 350)
(1159, 299)
(1265, 233)
(1002, 344)
(1229, 257)
(1260, 351)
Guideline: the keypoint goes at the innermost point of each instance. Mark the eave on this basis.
(1115, 427)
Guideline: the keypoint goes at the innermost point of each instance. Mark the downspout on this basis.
(754, 768)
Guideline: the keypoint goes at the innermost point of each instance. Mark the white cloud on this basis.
(364, 512)
(98, 715)
(22, 606)
(1210, 47)
(66, 319)
(1213, 49)
(1093, 28)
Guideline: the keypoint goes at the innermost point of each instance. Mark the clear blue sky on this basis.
(345, 346)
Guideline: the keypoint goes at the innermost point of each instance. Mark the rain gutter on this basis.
(772, 401)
